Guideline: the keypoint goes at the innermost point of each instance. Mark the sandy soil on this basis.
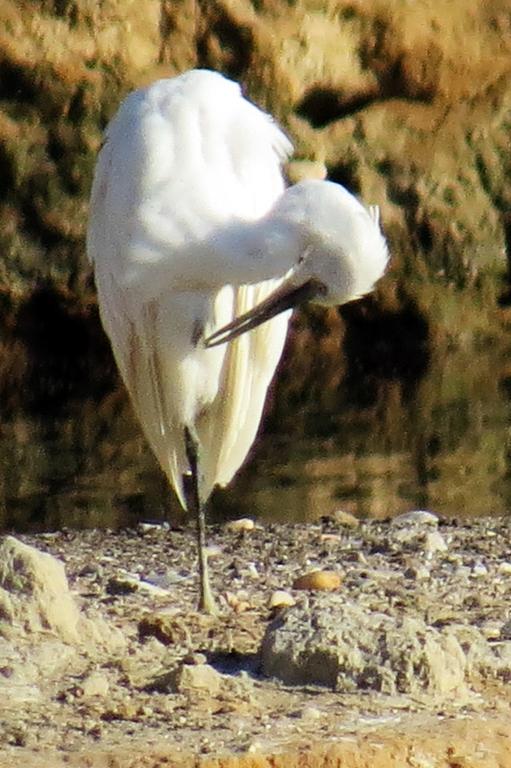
(124, 699)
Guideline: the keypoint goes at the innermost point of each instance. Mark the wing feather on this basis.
(227, 428)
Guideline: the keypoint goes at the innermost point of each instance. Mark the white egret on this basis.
(195, 242)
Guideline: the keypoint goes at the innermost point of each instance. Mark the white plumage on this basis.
(189, 229)
(181, 158)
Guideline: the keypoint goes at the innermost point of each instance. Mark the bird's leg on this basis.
(206, 599)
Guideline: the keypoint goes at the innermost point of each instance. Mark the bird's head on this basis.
(343, 251)
(339, 253)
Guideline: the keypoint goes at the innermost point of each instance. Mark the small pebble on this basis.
(154, 589)
(479, 570)
(310, 713)
(126, 585)
(238, 603)
(256, 746)
(96, 684)
(252, 569)
(416, 517)
(164, 627)
(91, 569)
(281, 599)
(125, 710)
(407, 537)
(345, 518)
(417, 572)
(492, 631)
(149, 527)
(434, 543)
(213, 550)
(318, 581)
(121, 585)
(197, 677)
(504, 568)
(242, 525)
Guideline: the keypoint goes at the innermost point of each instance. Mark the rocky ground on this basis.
(404, 658)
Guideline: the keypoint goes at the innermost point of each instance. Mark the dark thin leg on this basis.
(206, 600)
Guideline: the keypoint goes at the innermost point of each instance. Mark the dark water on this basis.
(443, 444)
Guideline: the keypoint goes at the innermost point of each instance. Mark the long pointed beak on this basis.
(284, 297)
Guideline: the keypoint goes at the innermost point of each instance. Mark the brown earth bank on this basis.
(470, 743)
(406, 104)
(405, 661)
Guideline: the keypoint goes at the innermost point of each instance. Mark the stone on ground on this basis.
(35, 598)
(331, 642)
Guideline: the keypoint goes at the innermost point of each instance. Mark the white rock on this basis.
(332, 642)
(252, 569)
(197, 677)
(504, 568)
(434, 543)
(96, 684)
(126, 583)
(417, 572)
(310, 713)
(255, 746)
(34, 586)
(281, 599)
(213, 550)
(35, 594)
(415, 517)
(479, 570)
(238, 602)
(407, 536)
(242, 525)
(346, 519)
(491, 630)
(149, 527)
(154, 589)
